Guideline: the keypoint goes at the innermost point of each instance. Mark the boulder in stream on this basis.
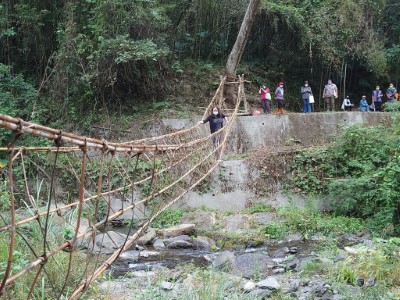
(147, 238)
(182, 229)
(179, 242)
(107, 243)
(250, 264)
(203, 243)
(269, 283)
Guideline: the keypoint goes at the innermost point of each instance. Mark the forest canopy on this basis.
(88, 55)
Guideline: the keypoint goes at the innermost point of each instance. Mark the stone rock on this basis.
(129, 256)
(147, 238)
(270, 283)
(370, 281)
(292, 264)
(236, 222)
(369, 244)
(203, 243)
(250, 264)
(249, 286)
(281, 253)
(260, 293)
(351, 291)
(107, 243)
(142, 273)
(210, 257)
(180, 245)
(278, 271)
(179, 242)
(178, 230)
(328, 295)
(352, 250)
(138, 212)
(117, 289)
(139, 248)
(320, 289)
(342, 255)
(293, 250)
(202, 219)
(158, 244)
(147, 254)
(224, 261)
(167, 286)
(293, 286)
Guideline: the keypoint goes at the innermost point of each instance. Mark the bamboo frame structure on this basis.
(159, 170)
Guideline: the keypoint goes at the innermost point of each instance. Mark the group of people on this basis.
(377, 99)
(329, 95)
(265, 98)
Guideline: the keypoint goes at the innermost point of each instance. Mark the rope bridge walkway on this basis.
(82, 186)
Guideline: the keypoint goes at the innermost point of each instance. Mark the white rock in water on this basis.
(249, 286)
(165, 285)
(149, 253)
(270, 283)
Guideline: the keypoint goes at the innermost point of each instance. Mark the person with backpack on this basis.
(391, 93)
(330, 94)
(265, 98)
(377, 98)
(306, 92)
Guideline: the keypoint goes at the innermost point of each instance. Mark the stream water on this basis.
(151, 259)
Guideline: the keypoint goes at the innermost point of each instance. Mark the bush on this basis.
(359, 172)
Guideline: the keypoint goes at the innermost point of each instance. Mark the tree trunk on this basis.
(238, 49)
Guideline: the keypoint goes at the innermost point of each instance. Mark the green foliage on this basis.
(170, 217)
(360, 172)
(274, 230)
(389, 106)
(259, 207)
(309, 222)
(312, 267)
(4, 196)
(16, 97)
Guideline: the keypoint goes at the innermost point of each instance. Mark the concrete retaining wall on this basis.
(252, 132)
(230, 186)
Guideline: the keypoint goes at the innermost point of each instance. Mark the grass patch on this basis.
(259, 207)
(310, 222)
(170, 217)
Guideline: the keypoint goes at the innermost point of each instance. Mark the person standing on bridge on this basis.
(279, 92)
(330, 94)
(216, 120)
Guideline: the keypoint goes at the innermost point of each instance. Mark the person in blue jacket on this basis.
(364, 104)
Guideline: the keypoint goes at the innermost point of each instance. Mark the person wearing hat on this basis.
(279, 97)
(363, 104)
(265, 97)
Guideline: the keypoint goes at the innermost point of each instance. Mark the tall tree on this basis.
(238, 47)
